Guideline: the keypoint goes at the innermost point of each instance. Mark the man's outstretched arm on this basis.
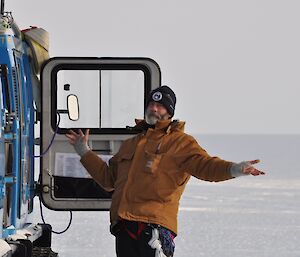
(196, 161)
(95, 166)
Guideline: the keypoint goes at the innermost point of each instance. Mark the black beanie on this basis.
(165, 96)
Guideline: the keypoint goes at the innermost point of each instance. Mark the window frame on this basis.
(98, 67)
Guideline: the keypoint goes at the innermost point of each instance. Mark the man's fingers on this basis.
(253, 171)
(261, 172)
(254, 161)
(87, 133)
(81, 133)
(73, 133)
(256, 172)
(70, 137)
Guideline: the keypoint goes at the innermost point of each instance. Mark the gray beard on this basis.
(151, 119)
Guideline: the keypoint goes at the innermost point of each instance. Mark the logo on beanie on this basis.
(157, 96)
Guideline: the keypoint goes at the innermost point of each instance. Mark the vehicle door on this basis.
(104, 95)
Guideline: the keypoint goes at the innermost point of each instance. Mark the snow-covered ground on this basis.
(247, 216)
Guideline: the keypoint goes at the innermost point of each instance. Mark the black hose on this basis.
(42, 215)
(2, 6)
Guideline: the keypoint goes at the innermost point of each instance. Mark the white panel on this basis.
(85, 85)
(122, 97)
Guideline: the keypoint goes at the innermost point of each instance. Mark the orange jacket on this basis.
(150, 172)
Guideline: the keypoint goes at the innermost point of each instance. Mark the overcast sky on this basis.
(234, 65)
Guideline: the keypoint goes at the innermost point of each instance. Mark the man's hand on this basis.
(79, 141)
(248, 169)
(245, 168)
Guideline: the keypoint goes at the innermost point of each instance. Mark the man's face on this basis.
(156, 111)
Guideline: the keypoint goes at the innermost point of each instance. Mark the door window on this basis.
(105, 99)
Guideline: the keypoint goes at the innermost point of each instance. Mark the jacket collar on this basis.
(167, 125)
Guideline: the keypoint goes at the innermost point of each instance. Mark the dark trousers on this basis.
(132, 241)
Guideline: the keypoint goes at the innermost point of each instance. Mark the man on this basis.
(148, 176)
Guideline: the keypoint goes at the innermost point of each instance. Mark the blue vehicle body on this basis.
(17, 185)
(16, 79)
